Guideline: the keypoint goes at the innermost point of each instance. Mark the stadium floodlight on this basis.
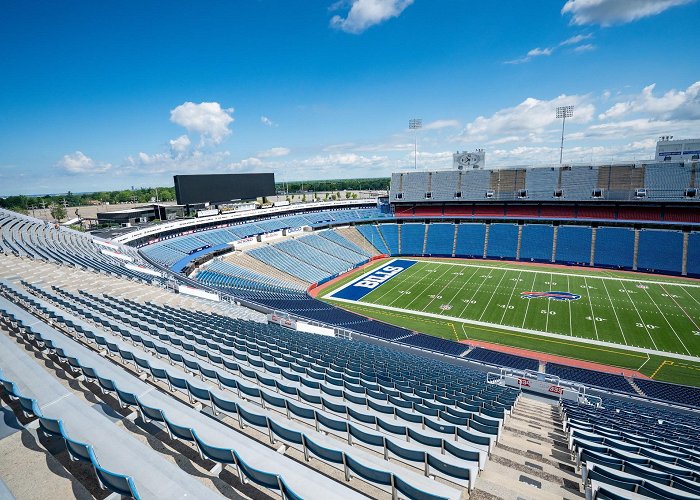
(563, 112)
(414, 124)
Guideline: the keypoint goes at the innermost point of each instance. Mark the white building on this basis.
(668, 149)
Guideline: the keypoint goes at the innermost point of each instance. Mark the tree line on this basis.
(24, 203)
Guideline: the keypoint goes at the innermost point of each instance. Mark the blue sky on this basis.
(106, 95)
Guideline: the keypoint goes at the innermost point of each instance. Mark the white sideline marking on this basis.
(582, 340)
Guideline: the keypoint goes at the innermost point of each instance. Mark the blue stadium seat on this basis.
(503, 241)
(536, 242)
(470, 240)
(574, 244)
(440, 239)
(614, 247)
(660, 251)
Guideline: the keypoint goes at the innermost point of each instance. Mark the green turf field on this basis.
(464, 300)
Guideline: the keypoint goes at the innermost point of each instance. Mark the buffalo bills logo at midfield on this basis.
(550, 295)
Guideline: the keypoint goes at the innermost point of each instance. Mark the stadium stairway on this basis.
(531, 459)
(635, 386)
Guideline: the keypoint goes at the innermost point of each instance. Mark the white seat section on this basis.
(413, 477)
(116, 450)
(302, 480)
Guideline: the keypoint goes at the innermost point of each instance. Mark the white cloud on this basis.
(267, 122)
(274, 153)
(548, 51)
(180, 144)
(439, 124)
(609, 12)
(341, 160)
(576, 39)
(536, 52)
(586, 47)
(674, 104)
(79, 163)
(248, 164)
(208, 119)
(158, 163)
(530, 118)
(366, 13)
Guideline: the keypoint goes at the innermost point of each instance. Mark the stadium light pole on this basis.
(414, 124)
(563, 112)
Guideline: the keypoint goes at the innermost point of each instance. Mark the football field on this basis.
(585, 314)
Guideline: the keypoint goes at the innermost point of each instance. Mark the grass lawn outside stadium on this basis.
(621, 313)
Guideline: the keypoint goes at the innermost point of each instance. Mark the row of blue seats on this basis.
(28, 237)
(194, 323)
(409, 402)
(218, 403)
(629, 460)
(84, 452)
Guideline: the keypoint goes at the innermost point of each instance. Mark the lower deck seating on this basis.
(371, 233)
(390, 234)
(694, 254)
(440, 239)
(536, 243)
(574, 244)
(503, 359)
(670, 392)
(660, 251)
(412, 238)
(470, 240)
(502, 241)
(614, 247)
(590, 377)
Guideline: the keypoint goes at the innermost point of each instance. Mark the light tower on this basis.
(414, 124)
(563, 112)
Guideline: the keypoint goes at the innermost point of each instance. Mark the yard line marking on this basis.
(505, 310)
(476, 291)
(511, 330)
(468, 280)
(421, 294)
(666, 319)
(443, 289)
(681, 308)
(690, 295)
(528, 303)
(396, 284)
(644, 324)
(614, 312)
(588, 296)
(483, 311)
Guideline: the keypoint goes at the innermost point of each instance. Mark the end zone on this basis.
(359, 287)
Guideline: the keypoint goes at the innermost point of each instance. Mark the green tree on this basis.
(58, 212)
(303, 199)
(347, 195)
